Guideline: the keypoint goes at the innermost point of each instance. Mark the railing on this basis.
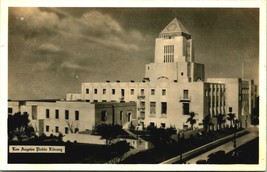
(141, 97)
(185, 98)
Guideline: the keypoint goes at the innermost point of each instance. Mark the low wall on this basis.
(84, 138)
(186, 134)
(202, 148)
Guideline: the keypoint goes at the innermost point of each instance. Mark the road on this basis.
(227, 147)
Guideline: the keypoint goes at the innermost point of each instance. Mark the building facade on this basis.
(173, 86)
(73, 117)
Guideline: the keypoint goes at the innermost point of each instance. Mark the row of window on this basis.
(113, 91)
(47, 129)
(66, 114)
(168, 58)
(168, 49)
(153, 107)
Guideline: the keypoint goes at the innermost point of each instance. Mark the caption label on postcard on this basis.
(36, 149)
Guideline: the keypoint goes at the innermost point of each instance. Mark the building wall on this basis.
(240, 96)
(67, 116)
(173, 97)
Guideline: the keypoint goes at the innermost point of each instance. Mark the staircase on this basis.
(141, 142)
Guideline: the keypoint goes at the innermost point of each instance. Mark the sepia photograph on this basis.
(134, 85)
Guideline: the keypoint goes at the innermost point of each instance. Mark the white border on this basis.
(130, 3)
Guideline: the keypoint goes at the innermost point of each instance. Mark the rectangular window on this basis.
(47, 128)
(66, 130)
(87, 100)
(87, 90)
(186, 108)
(163, 107)
(152, 124)
(230, 109)
(152, 91)
(66, 114)
(121, 115)
(47, 113)
(163, 92)
(122, 92)
(95, 91)
(56, 113)
(152, 107)
(10, 110)
(113, 91)
(185, 96)
(142, 91)
(162, 125)
(95, 101)
(132, 91)
(76, 115)
(104, 91)
(103, 116)
(56, 129)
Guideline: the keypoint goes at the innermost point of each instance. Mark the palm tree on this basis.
(207, 123)
(192, 119)
(220, 120)
(231, 118)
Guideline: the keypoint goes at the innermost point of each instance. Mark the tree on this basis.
(231, 118)
(207, 123)
(109, 132)
(220, 120)
(192, 119)
(160, 136)
(19, 125)
(118, 149)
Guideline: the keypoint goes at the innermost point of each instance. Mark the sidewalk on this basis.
(227, 147)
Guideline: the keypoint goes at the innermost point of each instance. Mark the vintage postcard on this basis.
(128, 86)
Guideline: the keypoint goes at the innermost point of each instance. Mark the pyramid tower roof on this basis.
(175, 26)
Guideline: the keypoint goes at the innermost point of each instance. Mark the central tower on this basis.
(174, 57)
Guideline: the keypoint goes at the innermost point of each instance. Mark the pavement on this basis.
(228, 147)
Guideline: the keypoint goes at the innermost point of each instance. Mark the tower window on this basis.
(182, 73)
(152, 91)
(163, 92)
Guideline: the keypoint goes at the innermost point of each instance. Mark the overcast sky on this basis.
(51, 51)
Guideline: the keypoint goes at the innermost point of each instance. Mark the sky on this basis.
(51, 51)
